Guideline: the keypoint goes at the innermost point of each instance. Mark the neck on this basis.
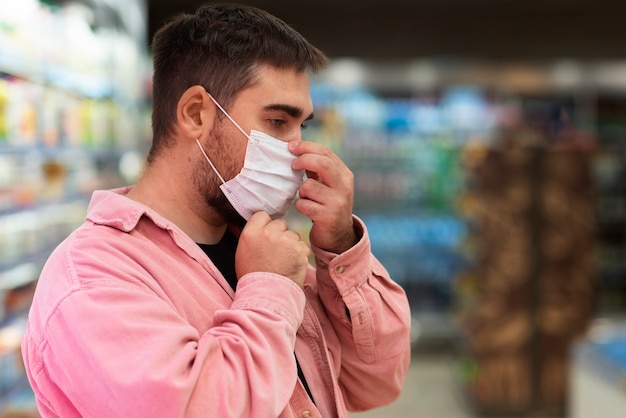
(167, 192)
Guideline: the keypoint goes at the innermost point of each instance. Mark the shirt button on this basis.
(307, 414)
(340, 269)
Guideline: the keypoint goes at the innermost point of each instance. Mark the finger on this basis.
(311, 209)
(313, 189)
(310, 147)
(258, 220)
(294, 235)
(322, 164)
(321, 167)
(319, 198)
(307, 147)
(260, 217)
(279, 225)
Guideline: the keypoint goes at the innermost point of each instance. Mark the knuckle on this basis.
(326, 164)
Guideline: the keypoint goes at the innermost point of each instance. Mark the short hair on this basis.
(220, 47)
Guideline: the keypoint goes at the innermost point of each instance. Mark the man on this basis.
(187, 294)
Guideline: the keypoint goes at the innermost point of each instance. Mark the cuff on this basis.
(348, 269)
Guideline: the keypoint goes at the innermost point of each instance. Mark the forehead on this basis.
(279, 86)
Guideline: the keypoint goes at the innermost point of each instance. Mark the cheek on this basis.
(233, 158)
(241, 155)
(230, 150)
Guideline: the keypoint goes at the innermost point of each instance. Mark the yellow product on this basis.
(4, 97)
(86, 115)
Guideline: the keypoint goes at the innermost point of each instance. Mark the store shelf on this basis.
(55, 76)
(530, 294)
(73, 106)
(30, 234)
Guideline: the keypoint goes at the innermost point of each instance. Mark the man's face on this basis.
(278, 104)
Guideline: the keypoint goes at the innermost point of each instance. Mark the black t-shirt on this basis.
(223, 256)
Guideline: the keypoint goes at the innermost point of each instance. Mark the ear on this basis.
(194, 111)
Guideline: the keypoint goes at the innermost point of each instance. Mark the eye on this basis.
(276, 123)
(281, 123)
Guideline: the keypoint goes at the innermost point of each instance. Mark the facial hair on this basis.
(208, 183)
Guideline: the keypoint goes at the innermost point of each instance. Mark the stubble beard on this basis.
(208, 182)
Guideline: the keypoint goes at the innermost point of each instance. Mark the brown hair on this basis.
(219, 47)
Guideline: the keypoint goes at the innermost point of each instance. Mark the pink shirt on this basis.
(132, 319)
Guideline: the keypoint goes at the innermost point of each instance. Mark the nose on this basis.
(293, 135)
(298, 136)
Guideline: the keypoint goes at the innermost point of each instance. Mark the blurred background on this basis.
(488, 142)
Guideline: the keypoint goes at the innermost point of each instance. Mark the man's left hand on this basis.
(326, 197)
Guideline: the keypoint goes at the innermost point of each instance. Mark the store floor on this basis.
(431, 390)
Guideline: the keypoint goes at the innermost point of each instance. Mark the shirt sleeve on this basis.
(120, 351)
(371, 316)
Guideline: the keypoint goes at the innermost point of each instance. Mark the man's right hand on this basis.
(269, 245)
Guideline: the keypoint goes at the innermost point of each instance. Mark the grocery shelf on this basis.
(30, 69)
(73, 104)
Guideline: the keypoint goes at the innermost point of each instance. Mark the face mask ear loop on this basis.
(228, 116)
(207, 158)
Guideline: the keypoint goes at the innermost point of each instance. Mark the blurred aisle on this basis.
(431, 390)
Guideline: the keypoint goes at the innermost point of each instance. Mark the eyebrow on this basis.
(293, 111)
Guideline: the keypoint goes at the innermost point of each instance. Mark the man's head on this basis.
(220, 47)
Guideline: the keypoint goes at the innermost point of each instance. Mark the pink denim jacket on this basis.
(132, 319)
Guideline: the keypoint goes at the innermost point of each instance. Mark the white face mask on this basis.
(266, 182)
